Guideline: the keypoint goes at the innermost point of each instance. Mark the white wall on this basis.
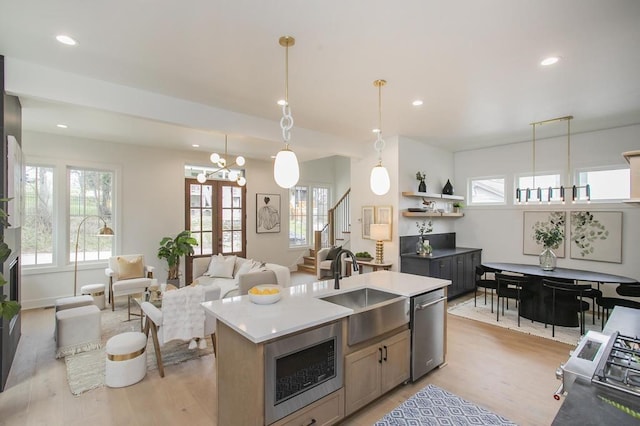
(498, 230)
(150, 205)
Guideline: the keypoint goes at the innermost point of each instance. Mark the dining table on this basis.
(534, 308)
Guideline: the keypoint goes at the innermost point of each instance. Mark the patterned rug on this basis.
(434, 406)
(482, 312)
(85, 371)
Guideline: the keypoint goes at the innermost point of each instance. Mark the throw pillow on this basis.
(333, 252)
(130, 268)
(246, 266)
(221, 266)
(239, 262)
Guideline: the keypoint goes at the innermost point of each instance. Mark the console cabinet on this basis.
(459, 267)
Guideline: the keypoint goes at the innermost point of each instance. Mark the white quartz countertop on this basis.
(299, 308)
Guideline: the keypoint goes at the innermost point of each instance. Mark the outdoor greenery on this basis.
(172, 249)
(8, 308)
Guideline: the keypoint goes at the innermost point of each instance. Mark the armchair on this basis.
(180, 319)
(128, 275)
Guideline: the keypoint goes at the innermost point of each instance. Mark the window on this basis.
(486, 191)
(37, 229)
(544, 182)
(612, 184)
(91, 195)
(307, 205)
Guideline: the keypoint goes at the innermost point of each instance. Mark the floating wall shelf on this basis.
(433, 196)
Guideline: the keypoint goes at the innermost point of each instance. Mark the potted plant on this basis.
(172, 249)
(422, 186)
(550, 235)
(364, 256)
(457, 206)
(424, 227)
(8, 308)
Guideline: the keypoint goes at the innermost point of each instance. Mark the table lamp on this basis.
(380, 232)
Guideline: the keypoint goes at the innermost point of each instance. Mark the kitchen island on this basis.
(245, 332)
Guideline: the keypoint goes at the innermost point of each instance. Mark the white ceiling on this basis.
(163, 72)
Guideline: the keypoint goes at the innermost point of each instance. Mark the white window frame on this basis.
(600, 169)
(470, 181)
(310, 216)
(544, 189)
(54, 216)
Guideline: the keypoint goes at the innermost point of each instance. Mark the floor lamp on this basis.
(380, 232)
(105, 231)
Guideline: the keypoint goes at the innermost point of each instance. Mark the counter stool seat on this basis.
(96, 291)
(126, 362)
(77, 330)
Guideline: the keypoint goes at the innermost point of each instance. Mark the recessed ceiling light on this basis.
(195, 145)
(62, 126)
(65, 39)
(549, 61)
(417, 102)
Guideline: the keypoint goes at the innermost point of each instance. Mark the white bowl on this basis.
(265, 299)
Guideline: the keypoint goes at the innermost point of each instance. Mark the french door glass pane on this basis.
(207, 220)
(237, 197)
(237, 241)
(226, 220)
(207, 192)
(196, 224)
(195, 196)
(226, 197)
(207, 243)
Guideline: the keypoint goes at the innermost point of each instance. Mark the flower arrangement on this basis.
(421, 176)
(549, 234)
(424, 227)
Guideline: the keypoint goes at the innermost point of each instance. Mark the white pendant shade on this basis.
(285, 170)
(379, 180)
(201, 178)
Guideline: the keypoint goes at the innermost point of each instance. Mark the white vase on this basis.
(548, 259)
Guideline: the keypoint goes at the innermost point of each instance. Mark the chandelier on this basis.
(221, 162)
(536, 193)
(379, 179)
(286, 171)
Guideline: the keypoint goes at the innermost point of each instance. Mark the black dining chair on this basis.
(483, 281)
(608, 303)
(565, 295)
(512, 287)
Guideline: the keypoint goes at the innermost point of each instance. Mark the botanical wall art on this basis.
(542, 221)
(267, 213)
(368, 217)
(596, 236)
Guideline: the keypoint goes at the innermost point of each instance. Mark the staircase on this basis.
(336, 232)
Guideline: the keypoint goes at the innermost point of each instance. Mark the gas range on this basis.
(620, 369)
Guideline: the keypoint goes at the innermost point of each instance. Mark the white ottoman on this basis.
(126, 362)
(77, 330)
(96, 291)
(73, 302)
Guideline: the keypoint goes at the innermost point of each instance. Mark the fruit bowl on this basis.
(265, 294)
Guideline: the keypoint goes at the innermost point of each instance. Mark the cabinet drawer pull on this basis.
(312, 422)
(380, 359)
(385, 352)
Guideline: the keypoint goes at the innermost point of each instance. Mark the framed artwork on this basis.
(542, 220)
(383, 215)
(368, 217)
(267, 213)
(596, 236)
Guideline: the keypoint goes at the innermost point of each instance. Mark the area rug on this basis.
(435, 406)
(482, 312)
(85, 371)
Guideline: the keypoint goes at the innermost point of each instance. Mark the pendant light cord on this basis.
(286, 122)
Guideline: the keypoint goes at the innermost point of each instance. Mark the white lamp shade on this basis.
(286, 171)
(379, 180)
(380, 232)
(242, 181)
(240, 160)
(201, 178)
(233, 175)
(214, 158)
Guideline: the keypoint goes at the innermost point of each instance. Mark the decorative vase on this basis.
(422, 187)
(548, 259)
(448, 188)
(420, 247)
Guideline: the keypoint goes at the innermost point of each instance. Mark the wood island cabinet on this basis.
(376, 369)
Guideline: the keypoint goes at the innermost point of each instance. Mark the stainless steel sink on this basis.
(375, 312)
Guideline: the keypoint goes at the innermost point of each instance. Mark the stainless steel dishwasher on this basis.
(427, 332)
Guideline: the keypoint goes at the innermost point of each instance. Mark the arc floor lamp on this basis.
(105, 231)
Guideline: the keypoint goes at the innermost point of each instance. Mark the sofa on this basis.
(236, 275)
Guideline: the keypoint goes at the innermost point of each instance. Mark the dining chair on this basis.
(513, 287)
(483, 281)
(608, 303)
(566, 295)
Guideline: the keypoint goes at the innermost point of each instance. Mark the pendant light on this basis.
(286, 171)
(221, 162)
(379, 179)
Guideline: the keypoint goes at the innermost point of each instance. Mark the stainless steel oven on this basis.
(301, 369)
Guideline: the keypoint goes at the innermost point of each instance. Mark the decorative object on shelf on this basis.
(267, 213)
(426, 250)
(457, 206)
(364, 256)
(596, 236)
(448, 188)
(221, 162)
(576, 190)
(550, 235)
(422, 186)
(172, 249)
(417, 209)
(105, 231)
(423, 228)
(380, 232)
(379, 178)
(286, 170)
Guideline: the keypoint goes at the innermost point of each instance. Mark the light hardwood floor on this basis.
(510, 373)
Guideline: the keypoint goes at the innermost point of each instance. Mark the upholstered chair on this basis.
(128, 275)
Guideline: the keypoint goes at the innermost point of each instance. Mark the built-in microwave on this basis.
(301, 369)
